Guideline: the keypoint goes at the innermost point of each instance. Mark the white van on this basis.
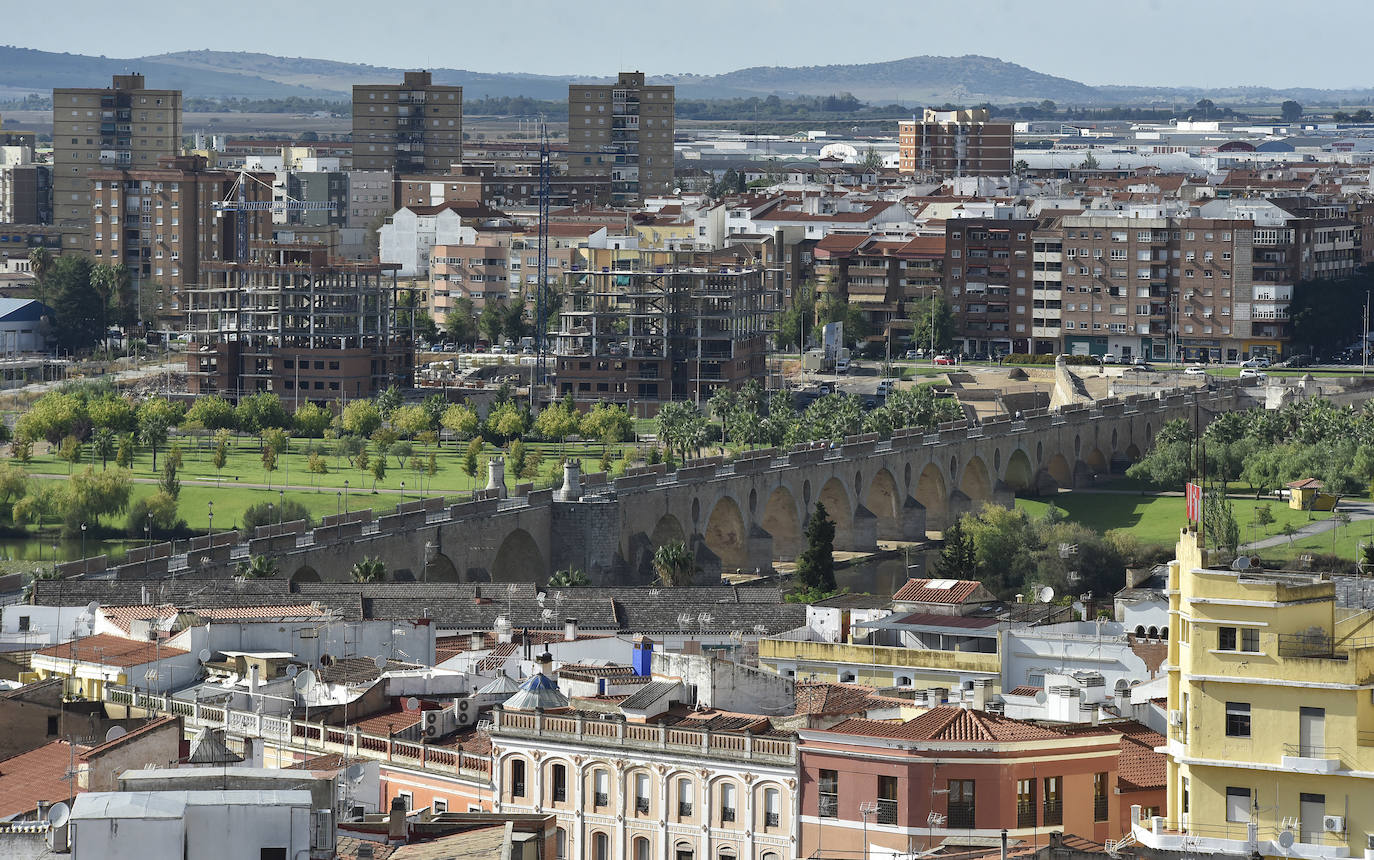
(841, 365)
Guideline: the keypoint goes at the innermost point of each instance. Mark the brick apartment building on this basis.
(123, 125)
(989, 278)
(954, 143)
(884, 278)
(624, 131)
(294, 322)
(412, 127)
(161, 223)
(484, 183)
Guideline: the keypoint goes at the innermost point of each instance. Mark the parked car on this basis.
(910, 355)
(827, 388)
(944, 359)
(841, 365)
(1258, 361)
(1252, 373)
(1109, 358)
(885, 387)
(1196, 370)
(1297, 361)
(1138, 368)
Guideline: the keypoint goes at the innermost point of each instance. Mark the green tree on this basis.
(460, 322)
(608, 423)
(261, 411)
(221, 455)
(557, 421)
(78, 310)
(269, 463)
(258, 567)
(169, 483)
(388, 402)
(470, 459)
(111, 412)
(90, 495)
(491, 322)
(70, 452)
(360, 418)
(104, 446)
(517, 457)
(270, 513)
(798, 319)
(461, 420)
(681, 426)
(378, 471)
(124, 456)
(311, 420)
(506, 421)
(276, 439)
(831, 309)
(958, 557)
(674, 564)
(316, 465)
(21, 450)
(158, 511)
(212, 412)
(568, 577)
(816, 564)
(1264, 517)
(410, 421)
(368, 570)
(932, 322)
(1219, 521)
(872, 161)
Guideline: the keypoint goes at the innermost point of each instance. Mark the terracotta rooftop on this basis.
(952, 724)
(1138, 766)
(34, 776)
(833, 698)
(109, 650)
(123, 616)
(945, 591)
(1024, 691)
(393, 720)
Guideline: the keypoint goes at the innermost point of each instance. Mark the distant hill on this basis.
(912, 81)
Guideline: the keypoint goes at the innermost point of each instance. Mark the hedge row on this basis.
(1025, 358)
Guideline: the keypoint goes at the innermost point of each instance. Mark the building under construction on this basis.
(294, 321)
(645, 327)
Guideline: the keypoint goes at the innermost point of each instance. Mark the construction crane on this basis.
(237, 201)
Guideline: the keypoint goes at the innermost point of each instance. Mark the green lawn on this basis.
(1157, 519)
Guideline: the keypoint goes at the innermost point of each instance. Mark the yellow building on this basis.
(1271, 722)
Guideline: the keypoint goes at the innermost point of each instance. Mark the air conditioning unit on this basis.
(1175, 718)
(465, 710)
(1333, 823)
(433, 728)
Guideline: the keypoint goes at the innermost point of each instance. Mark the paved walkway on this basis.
(1357, 510)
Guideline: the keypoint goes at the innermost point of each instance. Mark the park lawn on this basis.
(1157, 519)
(1343, 541)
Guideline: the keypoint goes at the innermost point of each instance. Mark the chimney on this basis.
(569, 629)
(396, 830)
(476, 641)
(544, 663)
(980, 694)
(644, 657)
(253, 680)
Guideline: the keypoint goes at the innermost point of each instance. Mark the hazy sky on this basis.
(1208, 43)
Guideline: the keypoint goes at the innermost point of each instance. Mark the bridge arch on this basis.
(783, 521)
(518, 559)
(441, 568)
(667, 530)
(1059, 471)
(305, 573)
(976, 483)
(726, 534)
(1097, 462)
(1132, 452)
(1020, 475)
(835, 497)
(885, 501)
(933, 493)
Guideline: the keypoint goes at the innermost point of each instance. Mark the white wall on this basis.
(1071, 647)
(48, 625)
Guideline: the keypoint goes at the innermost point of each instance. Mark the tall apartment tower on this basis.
(955, 143)
(125, 125)
(624, 130)
(411, 127)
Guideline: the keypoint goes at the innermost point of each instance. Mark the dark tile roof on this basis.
(648, 694)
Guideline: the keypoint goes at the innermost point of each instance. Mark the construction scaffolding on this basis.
(293, 321)
(657, 326)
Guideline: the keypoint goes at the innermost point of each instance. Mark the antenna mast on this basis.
(540, 310)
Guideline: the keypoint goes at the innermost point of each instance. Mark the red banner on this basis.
(1194, 503)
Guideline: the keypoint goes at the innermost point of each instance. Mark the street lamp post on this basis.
(338, 502)
(83, 541)
(345, 495)
(281, 508)
(210, 530)
(148, 547)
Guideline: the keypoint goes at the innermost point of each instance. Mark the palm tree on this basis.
(568, 577)
(258, 567)
(40, 262)
(674, 564)
(368, 570)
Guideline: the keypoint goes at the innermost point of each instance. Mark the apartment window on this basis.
(407, 801)
(1226, 638)
(887, 800)
(1237, 804)
(1025, 803)
(684, 798)
(1099, 797)
(772, 808)
(517, 778)
(1249, 639)
(641, 848)
(439, 805)
(560, 783)
(601, 781)
(642, 793)
(1238, 719)
(601, 846)
(829, 794)
(727, 802)
(1054, 801)
(961, 803)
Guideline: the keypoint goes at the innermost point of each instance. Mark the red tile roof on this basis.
(497, 658)
(936, 590)
(395, 719)
(833, 698)
(952, 724)
(1138, 766)
(109, 650)
(123, 616)
(1024, 691)
(36, 775)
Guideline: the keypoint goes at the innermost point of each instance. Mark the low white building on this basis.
(24, 326)
(206, 825)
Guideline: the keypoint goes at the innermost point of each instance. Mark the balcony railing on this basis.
(1320, 646)
(887, 812)
(1054, 813)
(684, 809)
(727, 815)
(1025, 814)
(600, 799)
(960, 815)
(642, 805)
(772, 819)
(829, 806)
(1099, 808)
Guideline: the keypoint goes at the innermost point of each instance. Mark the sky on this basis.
(1202, 43)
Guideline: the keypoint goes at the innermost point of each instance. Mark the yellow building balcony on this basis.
(915, 659)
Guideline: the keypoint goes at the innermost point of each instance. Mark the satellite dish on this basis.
(59, 813)
(1040, 697)
(305, 680)
(291, 670)
(353, 773)
(379, 661)
(1045, 594)
(1286, 839)
(204, 655)
(412, 704)
(115, 733)
(92, 608)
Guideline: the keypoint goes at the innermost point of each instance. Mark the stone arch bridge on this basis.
(743, 514)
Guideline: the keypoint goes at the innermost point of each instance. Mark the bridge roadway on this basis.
(734, 515)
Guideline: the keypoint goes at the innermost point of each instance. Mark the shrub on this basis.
(260, 514)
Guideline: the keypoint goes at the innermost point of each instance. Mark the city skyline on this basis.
(1169, 43)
